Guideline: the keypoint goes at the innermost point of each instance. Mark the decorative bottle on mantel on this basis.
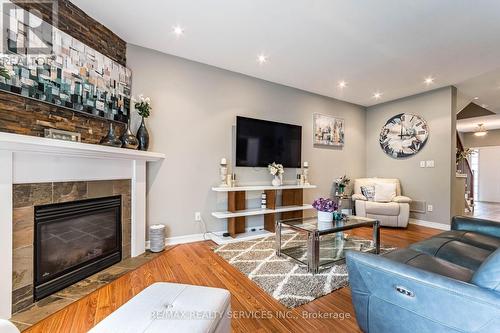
(111, 139)
(143, 136)
(143, 107)
(128, 139)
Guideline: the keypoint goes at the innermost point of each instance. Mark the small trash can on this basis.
(157, 237)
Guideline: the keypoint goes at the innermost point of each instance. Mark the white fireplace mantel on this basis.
(34, 144)
(28, 159)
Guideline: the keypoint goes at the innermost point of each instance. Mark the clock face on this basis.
(404, 135)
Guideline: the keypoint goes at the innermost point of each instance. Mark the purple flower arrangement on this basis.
(325, 205)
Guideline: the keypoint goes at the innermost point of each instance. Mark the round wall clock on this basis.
(404, 135)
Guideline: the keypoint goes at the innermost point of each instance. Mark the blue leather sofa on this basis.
(447, 283)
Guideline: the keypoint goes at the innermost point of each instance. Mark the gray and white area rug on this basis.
(284, 279)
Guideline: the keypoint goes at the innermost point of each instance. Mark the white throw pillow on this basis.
(385, 192)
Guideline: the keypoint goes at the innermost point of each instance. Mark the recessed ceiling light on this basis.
(178, 31)
(476, 98)
(429, 80)
(261, 59)
(377, 95)
(342, 84)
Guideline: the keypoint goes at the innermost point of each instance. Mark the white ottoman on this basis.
(171, 307)
(7, 327)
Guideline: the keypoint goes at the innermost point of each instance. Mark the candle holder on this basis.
(223, 173)
(305, 173)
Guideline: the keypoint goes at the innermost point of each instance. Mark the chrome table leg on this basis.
(376, 236)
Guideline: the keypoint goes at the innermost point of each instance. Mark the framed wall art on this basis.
(328, 130)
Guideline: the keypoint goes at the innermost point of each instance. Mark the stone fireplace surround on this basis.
(27, 196)
(72, 169)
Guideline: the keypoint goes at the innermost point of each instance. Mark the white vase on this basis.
(325, 220)
(276, 181)
(325, 216)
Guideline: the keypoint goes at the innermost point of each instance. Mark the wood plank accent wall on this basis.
(22, 115)
(30, 117)
(73, 21)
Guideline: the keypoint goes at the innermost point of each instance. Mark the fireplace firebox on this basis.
(74, 240)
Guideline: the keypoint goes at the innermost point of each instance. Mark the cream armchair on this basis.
(387, 205)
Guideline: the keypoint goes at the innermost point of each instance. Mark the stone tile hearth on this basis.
(26, 197)
(49, 305)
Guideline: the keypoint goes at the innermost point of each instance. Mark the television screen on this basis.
(260, 143)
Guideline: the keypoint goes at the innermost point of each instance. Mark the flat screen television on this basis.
(261, 142)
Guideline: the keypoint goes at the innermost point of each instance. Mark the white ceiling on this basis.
(388, 46)
(486, 87)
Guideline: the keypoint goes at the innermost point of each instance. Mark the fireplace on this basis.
(74, 240)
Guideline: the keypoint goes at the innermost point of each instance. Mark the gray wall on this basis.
(432, 185)
(491, 139)
(194, 110)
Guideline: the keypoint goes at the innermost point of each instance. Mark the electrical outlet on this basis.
(197, 216)
(430, 208)
(422, 164)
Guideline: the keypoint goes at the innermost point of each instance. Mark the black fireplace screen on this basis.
(75, 240)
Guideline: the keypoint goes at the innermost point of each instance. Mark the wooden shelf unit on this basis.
(292, 206)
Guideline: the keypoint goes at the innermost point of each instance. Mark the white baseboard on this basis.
(182, 239)
(428, 224)
(249, 234)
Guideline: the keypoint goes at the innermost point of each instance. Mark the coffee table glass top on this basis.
(310, 224)
(321, 244)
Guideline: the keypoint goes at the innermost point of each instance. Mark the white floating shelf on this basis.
(259, 232)
(260, 188)
(260, 211)
(249, 234)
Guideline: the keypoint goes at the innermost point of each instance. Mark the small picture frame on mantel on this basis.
(62, 135)
(328, 130)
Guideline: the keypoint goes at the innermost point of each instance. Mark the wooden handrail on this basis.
(463, 166)
(460, 147)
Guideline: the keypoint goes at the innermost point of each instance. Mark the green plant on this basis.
(143, 106)
(343, 181)
(464, 154)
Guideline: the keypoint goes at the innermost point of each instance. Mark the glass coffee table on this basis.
(323, 244)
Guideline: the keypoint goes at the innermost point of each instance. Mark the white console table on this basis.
(292, 205)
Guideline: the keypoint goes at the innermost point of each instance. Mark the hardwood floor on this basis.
(486, 210)
(195, 263)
